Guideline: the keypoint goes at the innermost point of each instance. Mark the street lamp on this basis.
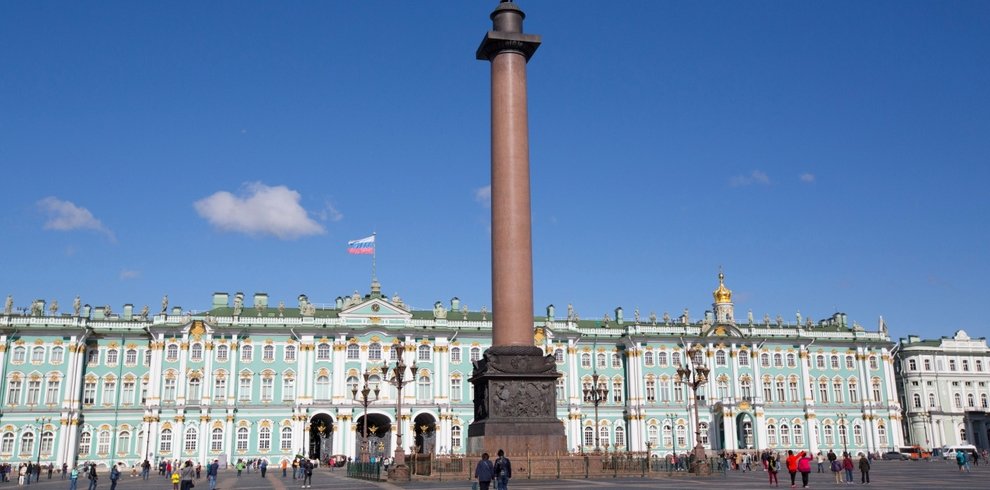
(844, 431)
(596, 395)
(39, 425)
(396, 377)
(694, 374)
(673, 433)
(365, 400)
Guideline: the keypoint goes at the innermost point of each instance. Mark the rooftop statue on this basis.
(165, 304)
(76, 306)
(8, 305)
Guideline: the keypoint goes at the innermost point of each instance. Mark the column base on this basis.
(515, 403)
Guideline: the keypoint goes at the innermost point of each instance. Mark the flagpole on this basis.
(374, 253)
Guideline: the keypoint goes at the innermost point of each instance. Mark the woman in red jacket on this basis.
(804, 466)
(792, 464)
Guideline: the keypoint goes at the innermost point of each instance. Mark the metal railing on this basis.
(365, 471)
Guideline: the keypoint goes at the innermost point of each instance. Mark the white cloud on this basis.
(807, 177)
(483, 195)
(754, 177)
(126, 274)
(263, 210)
(66, 216)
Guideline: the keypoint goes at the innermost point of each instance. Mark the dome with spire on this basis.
(722, 294)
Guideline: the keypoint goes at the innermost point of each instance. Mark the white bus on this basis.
(949, 452)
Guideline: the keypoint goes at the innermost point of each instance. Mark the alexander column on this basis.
(515, 382)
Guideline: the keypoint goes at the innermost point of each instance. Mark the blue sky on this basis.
(830, 156)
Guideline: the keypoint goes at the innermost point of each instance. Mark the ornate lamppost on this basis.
(396, 376)
(845, 432)
(365, 400)
(596, 395)
(694, 373)
(39, 426)
(673, 432)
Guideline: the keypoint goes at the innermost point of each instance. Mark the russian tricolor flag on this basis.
(364, 246)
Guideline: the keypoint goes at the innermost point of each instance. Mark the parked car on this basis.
(894, 455)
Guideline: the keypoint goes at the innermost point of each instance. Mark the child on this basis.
(175, 480)
(772, 466)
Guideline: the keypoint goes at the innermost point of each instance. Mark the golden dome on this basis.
(722, 294)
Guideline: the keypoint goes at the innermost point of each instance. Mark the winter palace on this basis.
(249, 379)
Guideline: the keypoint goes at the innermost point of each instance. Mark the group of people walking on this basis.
(499, 471)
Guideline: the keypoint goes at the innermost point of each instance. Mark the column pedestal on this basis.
(515, 404)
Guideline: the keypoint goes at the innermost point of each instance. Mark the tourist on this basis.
(484, 472)
(264, 467)
(503, 471)
(847, 465)
(837, 470)
(176, 478)
(864, 469)
(792, 461)
(821, 462)
(240, 467)
(211, 473)
(804, 466)
(962, 461)
(114, 476)
(93, 477)
(295, 467)
(307, 469)
(285, 464)
(188, 472)
(145, 469)
(772, 466)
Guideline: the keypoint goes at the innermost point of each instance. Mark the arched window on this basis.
(123, 442)
(850, 362)
(7, 443)
(778, 360)
(323, 387)
(290, 353)
(765, 360)
(829, 434)
(166, 441)
(912, 365)
(791, 360)
(970, 400)
(423, 353)
(853, 391)
(27, 443)
(876, 389)
(820, 361)
(585, 360)
(455, 437)
(651, 390)
(286, 443)
(58, 354)
(746, 388)
(601, 360)
(681, 435)
(268, 353)
(38, 355)
(375, 351)
(168, 392)
(798, 435)
(86, 442)
(323, 351)
(130, 357)
(616, 362)
(19, 355)
(589, 436)
(222, 353)
(662, 359)
(247, 353)
(603, 435)
(984, 402)
(620, 436)
(648, 358)
(172, 352)
(957, 400)
(475, 353)
(652, 435)
(931, 400)
(220, 386)
(558, 355)
(194, 391)
(720, 359)
(917, 400)
(722, 390)
(882, 435)
(744, 358)
(242, 439)
(834, 361)
(353, 352)
(216, 440)
(196, 352)
(288, 386)
(264, 439)
(962, 434)
(103, 443)
(858, 434)
(785, 435)
(424, 392)
(772, 434)
(675, 359)
(617, 389)
(703, 429)
(191, 438)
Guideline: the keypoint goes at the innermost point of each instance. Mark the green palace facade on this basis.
(269, 381)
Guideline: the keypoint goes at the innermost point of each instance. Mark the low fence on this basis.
(366, 471)
(571, 466)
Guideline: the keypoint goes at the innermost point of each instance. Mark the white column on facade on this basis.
(339, 381)
(155, 371)
(229, 436)
(573, 364)
(233, 381)
(205, 438)
(206, 388)
(181, 379)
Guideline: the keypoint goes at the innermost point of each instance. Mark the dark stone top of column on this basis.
(507, 34)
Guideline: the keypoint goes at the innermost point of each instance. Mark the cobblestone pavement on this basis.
(885, 474)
